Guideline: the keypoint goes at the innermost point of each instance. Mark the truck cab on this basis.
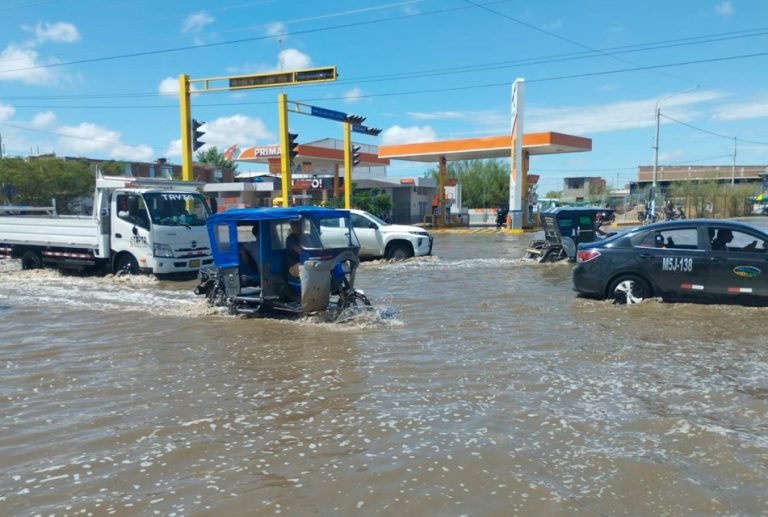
(157, 231)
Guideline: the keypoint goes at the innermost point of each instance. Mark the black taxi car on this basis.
(690, 260)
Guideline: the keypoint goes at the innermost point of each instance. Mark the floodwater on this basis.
(480, 386)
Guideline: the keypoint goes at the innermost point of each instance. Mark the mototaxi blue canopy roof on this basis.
(274, 214)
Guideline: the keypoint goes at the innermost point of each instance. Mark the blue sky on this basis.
(99, 77)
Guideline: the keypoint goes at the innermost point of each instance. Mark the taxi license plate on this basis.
(194, 263)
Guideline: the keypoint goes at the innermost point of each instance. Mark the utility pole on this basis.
(650, 211)
(733, 167)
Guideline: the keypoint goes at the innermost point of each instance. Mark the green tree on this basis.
(36, 182)
(554, 194)
(375, 201)
(484, 183)
(212, 156)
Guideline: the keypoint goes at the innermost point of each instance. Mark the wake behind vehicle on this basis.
(565, 228)
(710, 261)
(254, 273)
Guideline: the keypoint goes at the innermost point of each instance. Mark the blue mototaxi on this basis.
(327, 261)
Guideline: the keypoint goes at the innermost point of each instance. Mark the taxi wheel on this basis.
(629, 289)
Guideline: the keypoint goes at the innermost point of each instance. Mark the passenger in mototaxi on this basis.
(293, 258)
(249, 260)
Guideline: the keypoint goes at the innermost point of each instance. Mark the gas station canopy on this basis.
(486, 147)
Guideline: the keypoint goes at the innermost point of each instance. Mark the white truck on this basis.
(379, 239)
(138, 225)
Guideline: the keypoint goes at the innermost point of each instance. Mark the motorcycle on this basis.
(673, 213)
(501, 216)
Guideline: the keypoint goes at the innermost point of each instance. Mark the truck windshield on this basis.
(176, 208)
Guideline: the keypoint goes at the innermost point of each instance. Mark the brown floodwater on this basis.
(480, 385)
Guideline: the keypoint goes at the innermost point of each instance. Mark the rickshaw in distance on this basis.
(323, 276)
(567, 227)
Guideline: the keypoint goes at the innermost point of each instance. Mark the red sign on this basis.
(302, 184)
(533, 179)
(407, 181)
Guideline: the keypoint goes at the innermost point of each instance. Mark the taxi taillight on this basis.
(587, 255)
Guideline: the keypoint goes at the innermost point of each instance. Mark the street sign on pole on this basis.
(326, 113)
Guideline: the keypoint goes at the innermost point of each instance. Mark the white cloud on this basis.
(553, 25)
(17, 64)
(408, 135)
(6, 111)
(437, 115)
(225, 131)
(353, 95)
(724, 8)
(195, 22)
(43, 119)
(95, 141)
(582, 120)
(59, 32)
(277, 29)
(292, 59)
(673, 155)
(743, 111)
(169, 86)
(174, 148)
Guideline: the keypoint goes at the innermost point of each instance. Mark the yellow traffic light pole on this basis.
(285, 152)
(347, 165)
(186, 133)
(241, 82)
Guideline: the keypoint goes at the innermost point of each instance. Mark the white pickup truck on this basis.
(379, 239)
(138, 224)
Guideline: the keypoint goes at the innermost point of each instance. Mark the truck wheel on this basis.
(127, 265)
(399, 252)
(31, 260)
(629, 289)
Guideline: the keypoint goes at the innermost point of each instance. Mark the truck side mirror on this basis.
(104, 212)
(373, 226)
(135, 230)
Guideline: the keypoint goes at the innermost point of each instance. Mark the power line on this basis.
(64, 135)
(710, 132)
(664, 44)
(466, 87)
(572, 42)
(242, 40)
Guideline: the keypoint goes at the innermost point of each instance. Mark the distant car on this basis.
(379, 239)
(692, 260)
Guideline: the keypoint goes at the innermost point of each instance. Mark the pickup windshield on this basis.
(176, 208)
(327, 233)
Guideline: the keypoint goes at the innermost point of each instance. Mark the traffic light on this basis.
(292, 145)
(355, 155)
(355, 119)
(197, 134)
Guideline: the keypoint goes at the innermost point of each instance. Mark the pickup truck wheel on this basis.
(399, 252)
(629, 289)
(31, 260)
(127, 265)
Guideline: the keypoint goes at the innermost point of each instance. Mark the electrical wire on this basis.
(664, 44)
(702, 130)
(64, 135)
(242, 40)
(568, 40)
